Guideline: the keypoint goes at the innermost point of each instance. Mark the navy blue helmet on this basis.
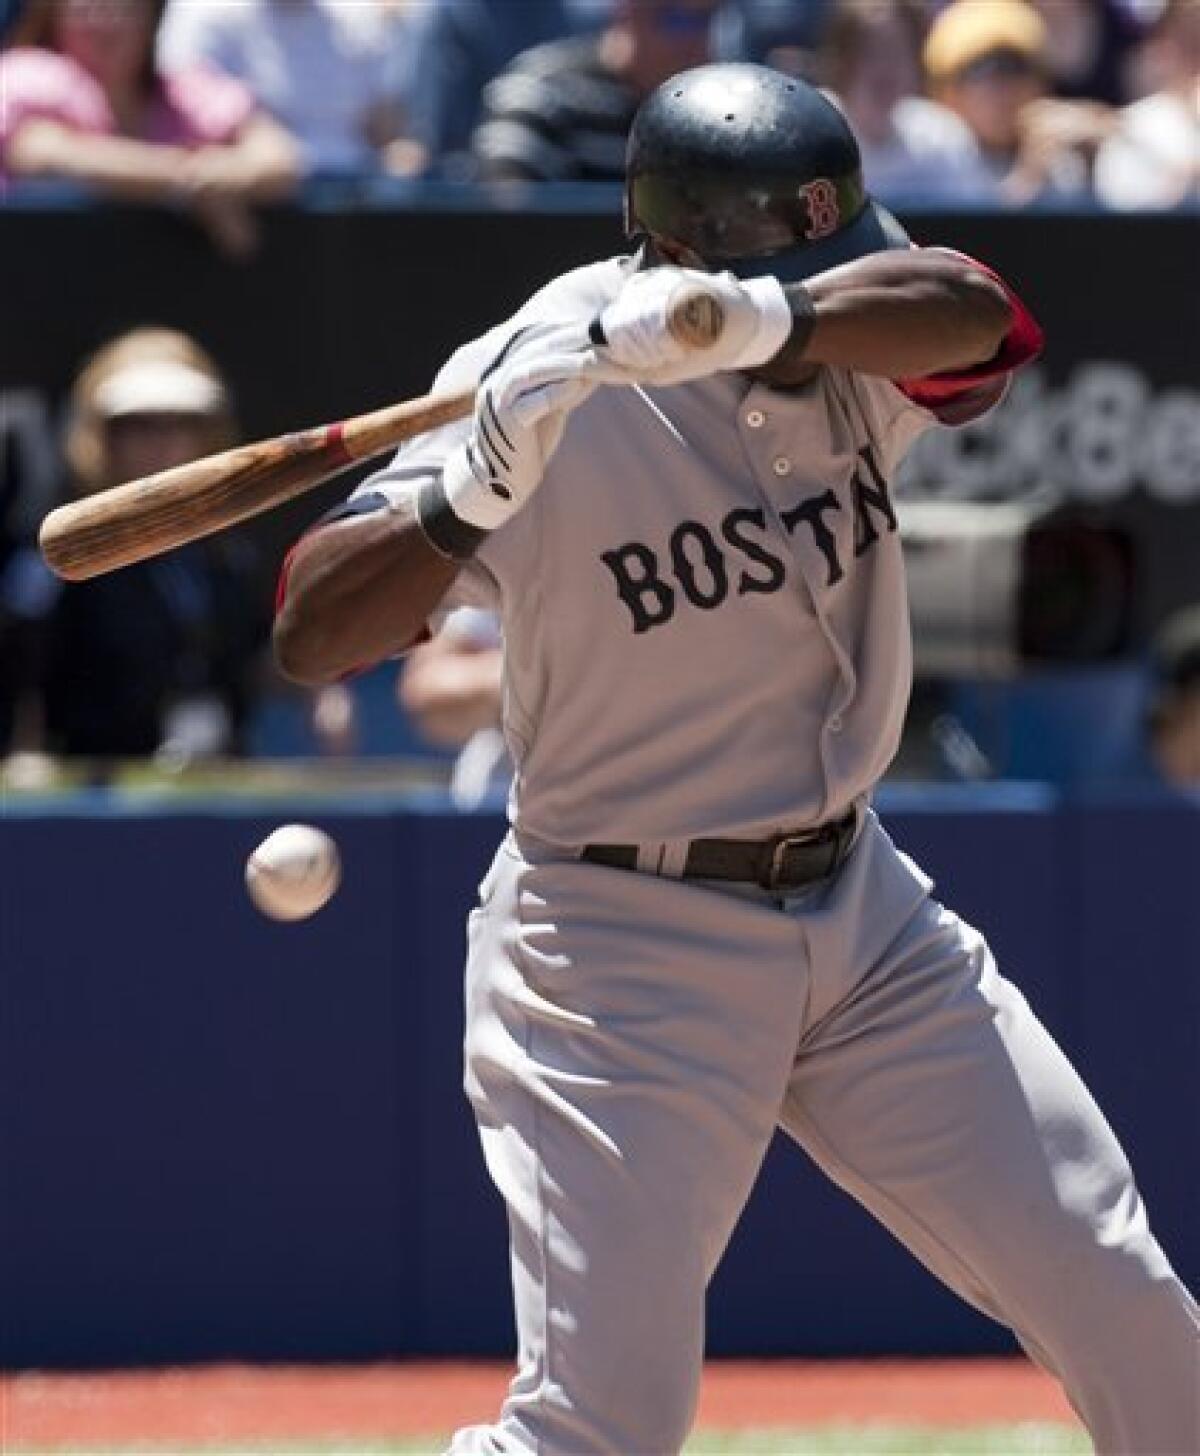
(751, 170)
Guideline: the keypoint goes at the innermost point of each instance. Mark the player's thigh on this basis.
(632, 1032)
(629, 1044)
(938, 1099)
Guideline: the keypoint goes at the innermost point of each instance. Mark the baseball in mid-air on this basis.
(293, 872)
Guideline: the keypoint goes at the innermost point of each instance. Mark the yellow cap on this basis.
(969, 29)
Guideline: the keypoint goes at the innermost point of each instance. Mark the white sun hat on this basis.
(158, 389)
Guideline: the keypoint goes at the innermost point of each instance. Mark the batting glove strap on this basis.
(448, 534)
(773, 318)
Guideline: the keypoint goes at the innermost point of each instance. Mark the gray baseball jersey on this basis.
(705, 635)
(703, 604)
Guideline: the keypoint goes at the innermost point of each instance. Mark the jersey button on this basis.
(835, 723)
(756, 419)
(781, 465)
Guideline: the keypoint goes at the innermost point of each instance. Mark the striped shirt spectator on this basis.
(561, 111)
(457, 46)
(558, 114)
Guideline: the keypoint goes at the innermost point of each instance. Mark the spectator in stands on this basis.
(158, 657)
(27, 588)
(561, 112)
(84, 100)
(785, 34)
(1088, 46)
(1151, 157)
(451, 689)
(1173, 721)
(987, 60)
(331, 72)
(458, 46)
(870, 59)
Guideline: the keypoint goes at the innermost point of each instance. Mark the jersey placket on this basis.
(771, 426)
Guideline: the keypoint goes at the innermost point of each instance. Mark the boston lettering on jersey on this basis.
(706, 563)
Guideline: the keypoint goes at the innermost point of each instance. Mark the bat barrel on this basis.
(133, 522)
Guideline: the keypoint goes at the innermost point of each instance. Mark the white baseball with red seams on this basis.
(294, 872)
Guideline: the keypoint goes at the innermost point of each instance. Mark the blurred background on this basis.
(223, 1137)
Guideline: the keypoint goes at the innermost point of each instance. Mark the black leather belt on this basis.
(784, 862)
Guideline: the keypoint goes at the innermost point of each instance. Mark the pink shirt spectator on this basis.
(193, 107)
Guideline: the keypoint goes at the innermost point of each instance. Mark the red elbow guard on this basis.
(960, 394)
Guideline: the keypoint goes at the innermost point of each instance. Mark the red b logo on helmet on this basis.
(823, 215)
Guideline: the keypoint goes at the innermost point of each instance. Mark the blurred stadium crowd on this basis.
(213, 107)
(218, 104)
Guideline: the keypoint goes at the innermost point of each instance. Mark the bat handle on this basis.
(695, 316)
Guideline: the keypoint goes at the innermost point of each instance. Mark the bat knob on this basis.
(695, 317)
(54, 542)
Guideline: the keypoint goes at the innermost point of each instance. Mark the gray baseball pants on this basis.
(632, 1044)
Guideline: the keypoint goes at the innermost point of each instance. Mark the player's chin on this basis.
(783, 374)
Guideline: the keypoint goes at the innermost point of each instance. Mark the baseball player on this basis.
(697, 930)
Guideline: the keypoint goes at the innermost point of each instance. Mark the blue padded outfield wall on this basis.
(224, 1137)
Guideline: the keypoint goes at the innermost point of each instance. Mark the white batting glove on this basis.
(758, 322)
(520, 415)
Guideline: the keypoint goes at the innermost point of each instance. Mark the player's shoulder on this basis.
(575, 296)
(875, 413)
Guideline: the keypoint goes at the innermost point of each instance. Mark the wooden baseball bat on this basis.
(147, 517)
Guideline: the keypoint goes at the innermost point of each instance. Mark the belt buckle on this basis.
(769, 880)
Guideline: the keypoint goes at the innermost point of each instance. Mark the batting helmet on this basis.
(754, 171)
